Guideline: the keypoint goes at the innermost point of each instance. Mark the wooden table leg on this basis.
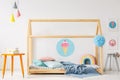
(12, 64)
(22, 68)
(4, 66)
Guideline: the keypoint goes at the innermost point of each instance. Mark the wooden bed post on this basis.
(99, 32)
(101, 59)
(96, 48)
(29, 46)
(101, 51)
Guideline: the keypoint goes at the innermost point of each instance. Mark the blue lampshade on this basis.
(99, 40)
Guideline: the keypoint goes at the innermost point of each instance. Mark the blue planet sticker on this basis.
(65, 47)
(112, 24)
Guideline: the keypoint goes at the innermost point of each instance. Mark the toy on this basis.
(16, 50)
(12, 51)
(88, 59)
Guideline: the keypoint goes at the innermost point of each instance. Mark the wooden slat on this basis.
(97, 29)
(100, 29)
(99, 70)
(64, 20)
(29, 42)
(64, 36)
(47, 71)
(14, 54)
(96, 54)
(30, 51)
(101, 59)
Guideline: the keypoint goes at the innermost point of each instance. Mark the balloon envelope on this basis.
(99, 40)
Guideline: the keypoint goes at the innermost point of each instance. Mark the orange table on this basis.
(12, 62)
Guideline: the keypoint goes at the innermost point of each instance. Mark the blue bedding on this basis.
(79, 70)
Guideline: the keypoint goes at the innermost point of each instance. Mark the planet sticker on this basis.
(65, 47)
(112, 24)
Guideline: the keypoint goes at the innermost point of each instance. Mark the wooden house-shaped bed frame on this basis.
(98, 50)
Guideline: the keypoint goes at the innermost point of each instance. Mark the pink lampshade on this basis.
(18, 13)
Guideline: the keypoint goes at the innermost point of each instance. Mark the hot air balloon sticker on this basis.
(112, 42)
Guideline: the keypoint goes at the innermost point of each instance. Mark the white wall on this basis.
(14, 35)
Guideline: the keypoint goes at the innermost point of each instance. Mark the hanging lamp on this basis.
(18, 13)
(12, 19)
(15, 5)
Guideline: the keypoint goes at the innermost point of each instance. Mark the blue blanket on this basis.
(79, 70)
(72, 68)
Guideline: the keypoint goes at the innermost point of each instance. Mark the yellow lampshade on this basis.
(12, 19)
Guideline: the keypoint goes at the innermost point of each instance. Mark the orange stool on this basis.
(12, 63)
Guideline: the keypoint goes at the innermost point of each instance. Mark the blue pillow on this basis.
(90, 70)
(39, 63)
(53, 64)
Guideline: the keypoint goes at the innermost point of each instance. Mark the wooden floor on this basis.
(111, 75)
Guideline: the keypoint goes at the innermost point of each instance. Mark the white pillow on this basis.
(53, 64)
(93, 66)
